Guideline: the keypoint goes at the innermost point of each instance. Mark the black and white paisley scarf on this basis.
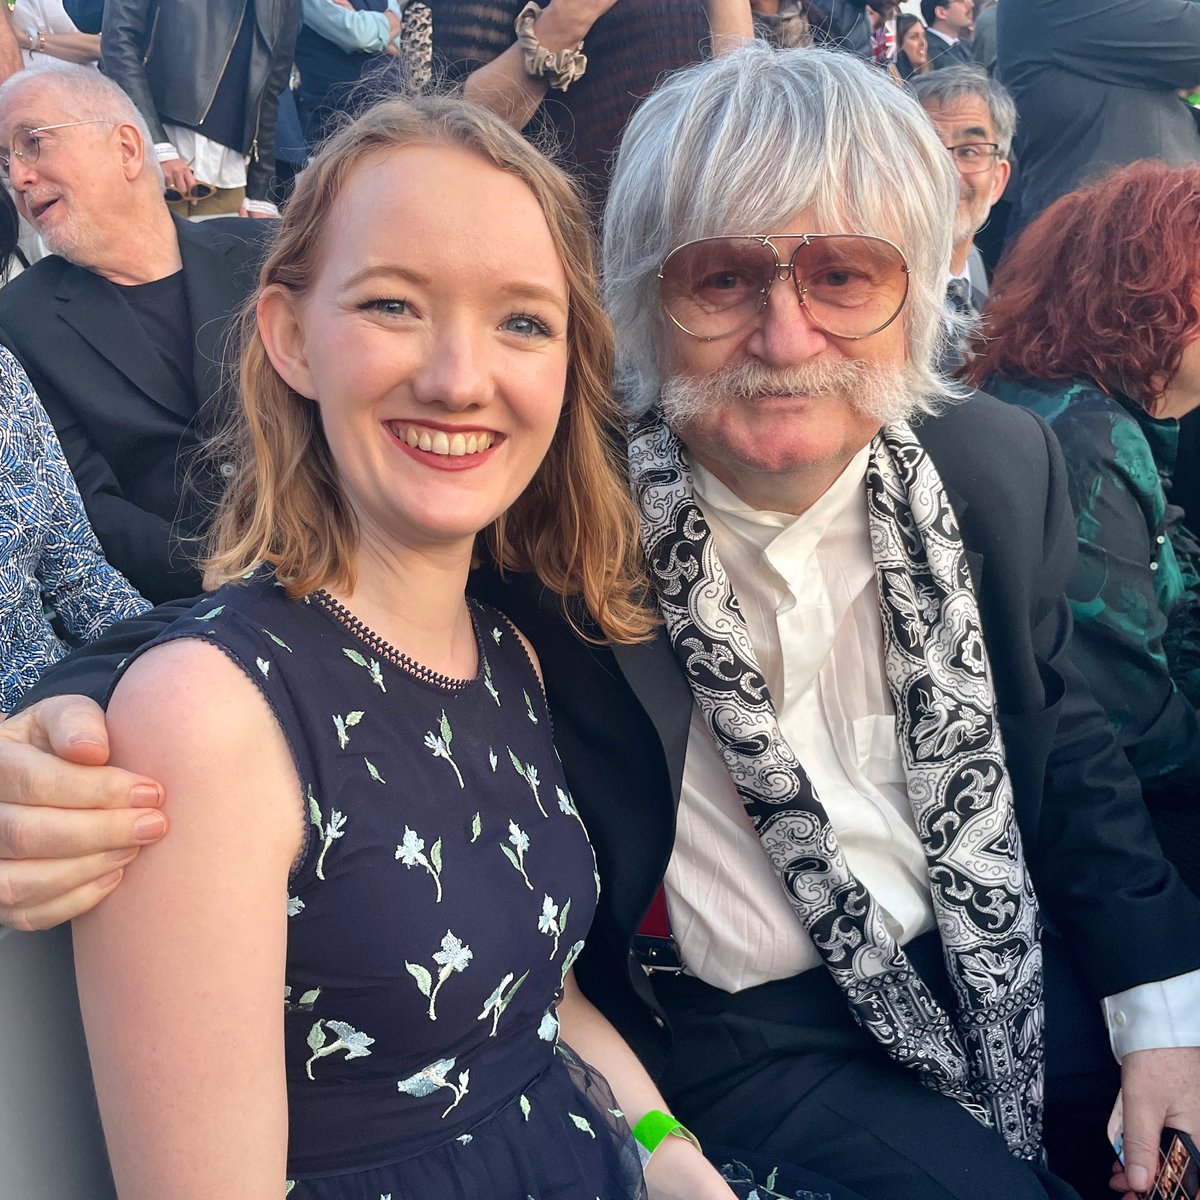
(988, 1054)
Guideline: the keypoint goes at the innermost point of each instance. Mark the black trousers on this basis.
(783, 1070)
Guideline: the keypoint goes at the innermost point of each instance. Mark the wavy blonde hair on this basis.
(575, 526)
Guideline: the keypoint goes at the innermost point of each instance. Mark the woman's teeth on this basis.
(437, 441)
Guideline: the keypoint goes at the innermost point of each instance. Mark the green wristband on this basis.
(656, 1125)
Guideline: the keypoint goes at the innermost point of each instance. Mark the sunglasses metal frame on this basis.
(782, 271)
(23, 155)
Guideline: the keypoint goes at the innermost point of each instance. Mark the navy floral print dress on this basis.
(445, 888)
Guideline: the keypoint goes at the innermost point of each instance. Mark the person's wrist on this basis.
(675, 1169)
(559, 29)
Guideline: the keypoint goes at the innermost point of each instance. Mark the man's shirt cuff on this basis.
(1154, 1016)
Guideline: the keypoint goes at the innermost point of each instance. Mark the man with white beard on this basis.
(822, 795)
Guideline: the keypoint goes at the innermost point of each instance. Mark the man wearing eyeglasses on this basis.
(975, 118)
(838, 795)
(121, 327)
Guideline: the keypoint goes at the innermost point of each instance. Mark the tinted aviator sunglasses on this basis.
(851, 284)
(27, 143)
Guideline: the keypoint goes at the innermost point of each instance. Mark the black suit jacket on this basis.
(1095, 88)
(128, 430)
(622, 714)
(946, 54)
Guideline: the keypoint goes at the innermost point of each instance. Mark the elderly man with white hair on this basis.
(840, 794)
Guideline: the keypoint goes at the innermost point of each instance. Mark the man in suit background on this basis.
(948, 31)
(122, 328)
(975, 118)
(1096, 87)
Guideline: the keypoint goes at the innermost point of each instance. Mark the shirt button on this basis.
(1119, 1018)
(227, 469)
(1154, 566)
(1160, 539)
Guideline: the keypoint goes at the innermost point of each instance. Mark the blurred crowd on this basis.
(975, 209)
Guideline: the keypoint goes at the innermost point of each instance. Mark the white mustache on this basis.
(874, 389)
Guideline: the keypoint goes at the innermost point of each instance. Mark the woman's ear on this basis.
(283, 338)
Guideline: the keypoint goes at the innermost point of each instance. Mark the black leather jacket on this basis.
(169, 55)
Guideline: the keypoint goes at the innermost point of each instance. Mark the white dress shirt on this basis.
(806, 586)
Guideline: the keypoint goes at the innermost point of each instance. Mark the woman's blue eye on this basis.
(387, 306)
(526, 326)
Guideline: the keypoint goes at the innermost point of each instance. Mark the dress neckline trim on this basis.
(386, 651)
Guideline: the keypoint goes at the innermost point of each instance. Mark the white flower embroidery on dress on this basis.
(500, 999)
(548, 922)
(520, 839)
(426, 1082)
(439, 744)
(264, 666)
(373, 667)
(565, 803)
(346, 1038)
(344, 724)
(529, 773)
(304, 1004)
(411, 852)
(487, 681)
(277, 640)
(454, 956)
(548, 1029)
(334, 830)
(529, 707)
(294, 906)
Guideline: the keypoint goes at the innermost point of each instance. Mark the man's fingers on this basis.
(36, 778)
(33, 833)
(1141, 1150)
(71, 727)
(62, 908)
(31, 887)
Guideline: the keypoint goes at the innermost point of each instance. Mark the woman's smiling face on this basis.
(433, 340)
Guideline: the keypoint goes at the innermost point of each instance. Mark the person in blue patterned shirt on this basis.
(51, 555)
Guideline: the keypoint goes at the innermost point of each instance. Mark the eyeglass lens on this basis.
(972, 158)
(851, 284)
(26, 145)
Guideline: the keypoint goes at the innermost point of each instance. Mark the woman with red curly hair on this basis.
(1095, 326)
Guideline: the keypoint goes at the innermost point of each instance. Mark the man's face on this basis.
(778, 440)
(964, 123)
(73, 188)
(956, 18)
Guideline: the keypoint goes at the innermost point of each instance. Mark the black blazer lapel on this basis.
(98, 313)
(657, 680)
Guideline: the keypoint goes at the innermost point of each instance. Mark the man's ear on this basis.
(1000, 180)
(283, 339)
(133, 149)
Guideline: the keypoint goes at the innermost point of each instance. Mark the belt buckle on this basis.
(657, 954)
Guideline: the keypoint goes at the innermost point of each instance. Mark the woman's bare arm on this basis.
(181, 973)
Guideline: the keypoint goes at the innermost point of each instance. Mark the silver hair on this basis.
(741, 144)
(952, 85)
(89, 94)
